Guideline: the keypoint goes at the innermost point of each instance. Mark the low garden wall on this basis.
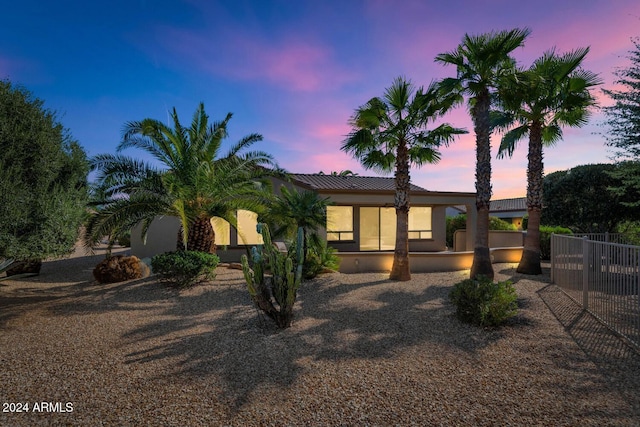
(421, 262)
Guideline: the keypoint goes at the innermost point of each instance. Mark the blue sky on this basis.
(293, 71)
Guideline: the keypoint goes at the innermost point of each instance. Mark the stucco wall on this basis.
(162, 237)
(421, 262)
(497, 239)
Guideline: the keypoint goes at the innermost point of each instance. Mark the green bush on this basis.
(320, 256)
(483, 302)
(185, 268)
(545, 239)
(458, 222)
(496, 223)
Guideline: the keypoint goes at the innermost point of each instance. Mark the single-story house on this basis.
(361, 223)
(511, 210)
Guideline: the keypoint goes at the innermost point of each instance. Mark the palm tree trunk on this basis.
(400, 269)
(481, 255)
(201, 236)
(530, 261)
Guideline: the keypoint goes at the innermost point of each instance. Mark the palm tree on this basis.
(294, 209)
(552, 93)
(391, 133)
(480, 60)
(193, 184)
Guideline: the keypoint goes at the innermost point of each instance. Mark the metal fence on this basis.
(602, 276)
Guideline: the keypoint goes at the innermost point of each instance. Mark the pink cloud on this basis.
(289, 62)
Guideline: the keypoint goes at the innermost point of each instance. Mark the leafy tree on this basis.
(480, 61)
(579, 199)
(390, 133)
(623, 123)
(194, 184)
(538, 102)
(623, 117)
(43, 180)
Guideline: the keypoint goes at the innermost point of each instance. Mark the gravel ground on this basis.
(363, 351)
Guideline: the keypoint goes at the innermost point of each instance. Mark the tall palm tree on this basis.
(538, 102)
(480, 60)
(194, 182)
(390, 133)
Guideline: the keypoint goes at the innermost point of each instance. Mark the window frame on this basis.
(341, 232)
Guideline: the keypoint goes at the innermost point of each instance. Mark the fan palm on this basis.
(480, 60)
(390, 133)
(538, 102)
(194, 182)
(294, 209)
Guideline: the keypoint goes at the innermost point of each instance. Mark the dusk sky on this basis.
(293, 71)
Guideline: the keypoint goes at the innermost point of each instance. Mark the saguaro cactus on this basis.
(274, 278)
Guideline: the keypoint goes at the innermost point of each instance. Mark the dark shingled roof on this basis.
(346, 183)
(505, 205)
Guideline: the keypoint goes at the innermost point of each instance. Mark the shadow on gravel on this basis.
(618, 361)
(218, 332)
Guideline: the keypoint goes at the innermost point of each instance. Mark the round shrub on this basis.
(483, 302)
(119, 268)
(185, 268)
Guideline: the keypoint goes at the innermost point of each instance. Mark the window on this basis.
(247, 233)
(222, 230)
(339, 223)
(420, 223)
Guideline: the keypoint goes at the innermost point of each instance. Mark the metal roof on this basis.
(348, 183)
(505, 205)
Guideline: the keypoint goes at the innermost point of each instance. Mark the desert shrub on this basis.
(545, 239)
(185, 268)
(120, 268)
(482, 302)
(320, 257)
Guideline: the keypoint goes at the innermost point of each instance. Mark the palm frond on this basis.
(510, 139)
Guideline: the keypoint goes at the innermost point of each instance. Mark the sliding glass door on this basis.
(377, 229)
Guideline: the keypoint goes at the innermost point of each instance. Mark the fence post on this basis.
(585, 273)
(553, 257)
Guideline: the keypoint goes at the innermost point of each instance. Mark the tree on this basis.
(623, 117)
(579, 199)
(390, 133)
(294, 209)
(538, 102)
(194, 184)
(480, 61)
(623, 123)
(43, 180)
